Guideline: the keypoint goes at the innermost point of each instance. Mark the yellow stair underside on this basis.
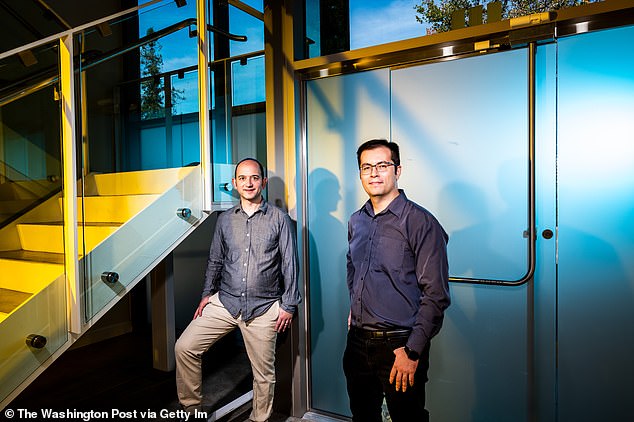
(112, 208)
(49, 237)
(21, 280)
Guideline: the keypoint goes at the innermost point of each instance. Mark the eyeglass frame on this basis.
(368, 167)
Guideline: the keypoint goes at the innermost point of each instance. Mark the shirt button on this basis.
(244, 279)
(242, 295)
(245, 264)
(248, 234)
(246, 250)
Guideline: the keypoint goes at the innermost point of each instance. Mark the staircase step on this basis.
(113, 208)
(135, 182)
(33, 256)
(28, 277)
(15, 205)
(43, 237)
(27, 189)
(11, 299)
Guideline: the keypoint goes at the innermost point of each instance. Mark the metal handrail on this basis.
(49, 77)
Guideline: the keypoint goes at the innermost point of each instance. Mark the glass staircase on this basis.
(128, 222)
(93, 194)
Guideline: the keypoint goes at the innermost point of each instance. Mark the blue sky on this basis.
(375, 22)
(372, 22)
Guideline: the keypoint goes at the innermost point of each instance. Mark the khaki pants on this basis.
(259, 338)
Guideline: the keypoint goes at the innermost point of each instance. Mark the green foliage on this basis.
(439, 16)
(152, 89)
(152, 95)
(438, 12)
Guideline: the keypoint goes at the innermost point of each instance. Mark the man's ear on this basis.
(264, 182)
(233, 182)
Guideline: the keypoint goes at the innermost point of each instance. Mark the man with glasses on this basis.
(251, 284)
(397, 275)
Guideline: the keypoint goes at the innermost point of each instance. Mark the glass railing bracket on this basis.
(36, 341)
(109, 277)
(184, 213)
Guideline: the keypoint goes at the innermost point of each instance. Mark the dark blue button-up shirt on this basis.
(253, 262)
(397, 270)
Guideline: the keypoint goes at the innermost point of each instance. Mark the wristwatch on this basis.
(411, 354)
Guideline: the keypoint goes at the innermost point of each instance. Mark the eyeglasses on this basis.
(381, 167)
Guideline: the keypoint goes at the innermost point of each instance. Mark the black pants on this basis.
(367, 363)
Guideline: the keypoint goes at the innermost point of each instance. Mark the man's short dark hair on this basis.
(376, 143)
(235, 171)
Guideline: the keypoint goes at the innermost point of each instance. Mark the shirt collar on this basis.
(264, 206)
(395, 207)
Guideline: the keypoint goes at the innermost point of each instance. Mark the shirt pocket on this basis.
(391, 254)
(265, 242)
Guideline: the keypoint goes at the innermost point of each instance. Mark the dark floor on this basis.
(118, 374)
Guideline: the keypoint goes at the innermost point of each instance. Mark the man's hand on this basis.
(403, 370)
(283, 321)
(203, 303)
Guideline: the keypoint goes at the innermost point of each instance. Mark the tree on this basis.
(152, 89)
(439, 15)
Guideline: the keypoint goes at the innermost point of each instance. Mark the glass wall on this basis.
(140, 147)
(471, 174)
(596, 225)
(340, 112)
(466, 163)
(525, 352)
(32, 284)
(470, 169)
(238, 119)
(333, 26)
(139, 187)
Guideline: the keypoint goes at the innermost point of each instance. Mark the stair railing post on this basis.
(69, 171)
(203, 104)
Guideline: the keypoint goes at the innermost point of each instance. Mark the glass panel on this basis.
(241, 23)
(186, 86)
(222, 156)
(469, 168)
(24, 22)
(32, 284)
(238, 123)
(312, 38)
(341, 113)
(248, 81)
(545, 281)
(473, 166)
(333, 26)
(239, 130)
(140, 151)
(596, 225)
